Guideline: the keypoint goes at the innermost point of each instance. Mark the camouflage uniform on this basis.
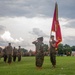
(9, 53)
(0, 52)
(14, 54)
(39, 53)
(19, 54)
(52, 53)
(5, 54)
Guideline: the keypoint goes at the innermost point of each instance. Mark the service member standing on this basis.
(9, 53)
(19, 53)
(53, 51)
(5, 54)
(14, 54)
(39, 52)
(0, 52)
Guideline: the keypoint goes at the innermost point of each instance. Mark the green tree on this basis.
(67, 49)
(24, 50)
(60, 49)
(73, 48)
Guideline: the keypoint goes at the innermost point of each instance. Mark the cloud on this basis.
(2, 29)
(38, 32)
(34, 8)
(21, 26)
(7, 37)
(66, 8)
(69, 40)
(28, 8)
(31, 28)
(70, 24)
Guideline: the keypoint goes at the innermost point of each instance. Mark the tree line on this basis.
(61, 50)
(65, 49)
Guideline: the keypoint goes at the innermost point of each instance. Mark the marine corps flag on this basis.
(56, 27)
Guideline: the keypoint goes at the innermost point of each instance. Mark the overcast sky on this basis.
(23, 21)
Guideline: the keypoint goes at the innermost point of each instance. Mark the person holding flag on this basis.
(56, 29)
(52, 51)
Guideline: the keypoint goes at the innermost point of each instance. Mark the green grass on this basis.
(65, 66)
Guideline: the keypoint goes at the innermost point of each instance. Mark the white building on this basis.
(73, 53)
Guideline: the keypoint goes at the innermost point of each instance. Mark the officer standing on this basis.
(14, 54)
(19, 53)
(0, 52)
(39, 52)
(53, 51)
(5, 54)
(9, 53)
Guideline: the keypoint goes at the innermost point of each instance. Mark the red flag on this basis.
(56, 27)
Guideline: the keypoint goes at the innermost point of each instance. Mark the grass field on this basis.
(65, 66)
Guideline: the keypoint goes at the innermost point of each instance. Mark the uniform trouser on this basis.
(39, 59)
(9, 58)
(53, 58)
(19, 57)
(0, 55)
(14, 58)
(5, 57)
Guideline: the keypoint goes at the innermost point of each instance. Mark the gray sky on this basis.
(22, 21)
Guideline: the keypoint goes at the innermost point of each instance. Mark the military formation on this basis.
(9, 53)
(40, 52)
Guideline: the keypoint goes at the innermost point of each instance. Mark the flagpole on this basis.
(54, 1)
(51, 26)
(51, 29)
